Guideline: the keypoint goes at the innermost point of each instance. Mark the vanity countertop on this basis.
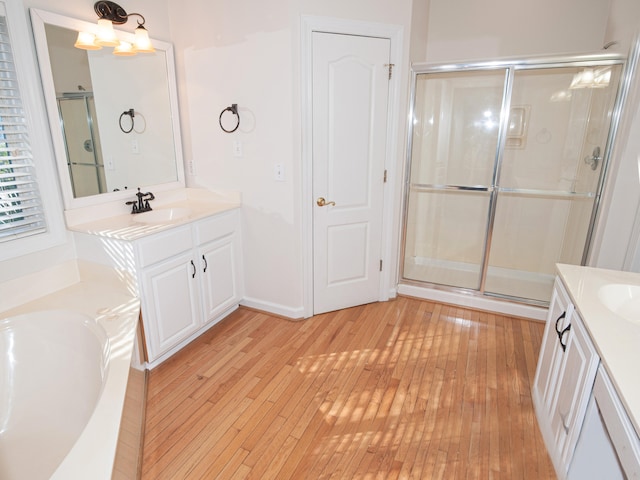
(127, 226)
(609, 304)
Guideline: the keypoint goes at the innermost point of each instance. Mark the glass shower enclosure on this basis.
(506, 166)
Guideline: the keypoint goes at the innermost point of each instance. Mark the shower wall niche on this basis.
(505, 171)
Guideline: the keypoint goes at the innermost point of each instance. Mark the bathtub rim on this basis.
(101, 292)
(40, 322)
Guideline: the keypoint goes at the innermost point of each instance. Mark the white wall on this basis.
(249, 53)
(154, 11)
(617, 245)
(622, 24)
(468, 29)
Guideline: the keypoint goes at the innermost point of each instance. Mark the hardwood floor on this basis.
(402, 389)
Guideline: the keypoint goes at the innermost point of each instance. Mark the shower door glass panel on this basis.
(453, 157)
(82, 142)
(549, 176)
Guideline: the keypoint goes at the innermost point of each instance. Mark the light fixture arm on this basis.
(114, 12)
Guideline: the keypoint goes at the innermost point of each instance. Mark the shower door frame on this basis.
(511, 66)
(85, 97)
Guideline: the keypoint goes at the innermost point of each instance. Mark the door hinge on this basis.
(390, 67)
(380, 265)
(384, 179)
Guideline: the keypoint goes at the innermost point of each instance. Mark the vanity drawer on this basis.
(164, 245)
(215, 227)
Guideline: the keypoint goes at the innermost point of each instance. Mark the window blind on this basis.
(21, 211)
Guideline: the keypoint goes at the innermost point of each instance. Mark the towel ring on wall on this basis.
(234, 110)
(129, 113)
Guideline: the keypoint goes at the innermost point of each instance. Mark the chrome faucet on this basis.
(142, 204)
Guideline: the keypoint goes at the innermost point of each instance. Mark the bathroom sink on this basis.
(622, 299)
(163, 215)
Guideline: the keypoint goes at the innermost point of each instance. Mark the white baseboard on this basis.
(471, 301)
(274, 308)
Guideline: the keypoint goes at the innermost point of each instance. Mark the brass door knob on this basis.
(321, 202)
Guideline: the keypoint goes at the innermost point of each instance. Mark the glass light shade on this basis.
(86, 41)
(106, 34)
(142, 42)
(124, 49)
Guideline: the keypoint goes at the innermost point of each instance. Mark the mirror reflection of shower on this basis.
(82, 142)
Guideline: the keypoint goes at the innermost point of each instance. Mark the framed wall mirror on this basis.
(114, 120)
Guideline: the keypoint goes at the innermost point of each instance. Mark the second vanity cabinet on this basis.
(189, 277)
(564, 378)
(586, 393)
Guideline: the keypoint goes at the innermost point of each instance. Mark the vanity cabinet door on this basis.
(218, 253)
(220, 278)
(171, 310)
(560, 309)
(574, 385)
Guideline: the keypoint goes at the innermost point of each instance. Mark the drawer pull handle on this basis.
(193, 275)
(561, 334)
(564, 314)
(205, 264)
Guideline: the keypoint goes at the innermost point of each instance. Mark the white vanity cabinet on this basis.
(189, 279)
(564, 378)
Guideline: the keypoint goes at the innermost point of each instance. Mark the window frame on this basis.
(28, 76)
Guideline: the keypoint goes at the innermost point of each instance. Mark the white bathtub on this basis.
(53, 365)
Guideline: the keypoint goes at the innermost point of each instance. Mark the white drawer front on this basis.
(164, 245)
(216, 227)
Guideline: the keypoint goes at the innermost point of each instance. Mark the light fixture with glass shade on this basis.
(111, 13)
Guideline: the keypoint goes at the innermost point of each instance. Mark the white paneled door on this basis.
(350, 95)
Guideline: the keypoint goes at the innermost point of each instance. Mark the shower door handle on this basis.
(593, 159)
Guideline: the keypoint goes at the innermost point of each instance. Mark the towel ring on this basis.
(129, 113)
(234, 110)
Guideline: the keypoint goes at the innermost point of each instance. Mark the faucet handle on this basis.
(134, 208)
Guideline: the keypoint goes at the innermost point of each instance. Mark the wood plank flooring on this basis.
(402, 389)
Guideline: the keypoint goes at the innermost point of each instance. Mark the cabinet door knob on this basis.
(204, 259)
(193, 265)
